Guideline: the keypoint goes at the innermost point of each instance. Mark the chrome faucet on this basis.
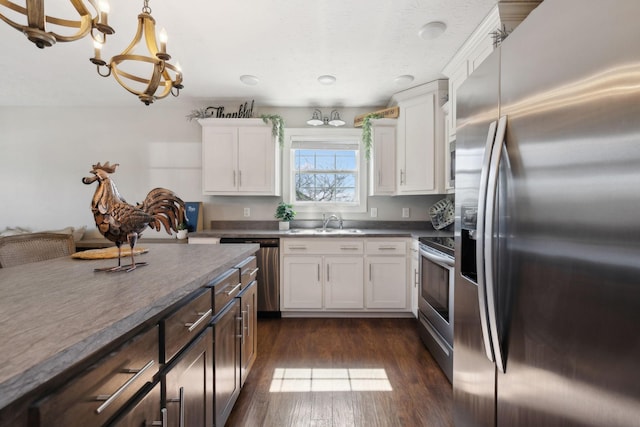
(327, 220)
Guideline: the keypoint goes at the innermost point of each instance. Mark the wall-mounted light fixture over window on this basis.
(317, 119)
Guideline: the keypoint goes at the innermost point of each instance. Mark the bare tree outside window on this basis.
(326, 175)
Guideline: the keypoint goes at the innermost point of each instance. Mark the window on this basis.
(324, 170)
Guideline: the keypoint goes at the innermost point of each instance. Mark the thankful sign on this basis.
(244, 112)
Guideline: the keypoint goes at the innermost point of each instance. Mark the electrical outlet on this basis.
(405, 212)
(374, 212)
(247, 211)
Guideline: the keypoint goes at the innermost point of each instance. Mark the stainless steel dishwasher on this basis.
(268, 260)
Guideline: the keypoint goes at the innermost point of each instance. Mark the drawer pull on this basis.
(255, 270)
(234, 289)
(351, 248)
(203, 317)
(298, 247)
(387, 248)
(108, 400)
(181, 424)
(162, 423)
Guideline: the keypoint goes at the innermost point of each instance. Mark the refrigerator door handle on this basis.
(480, 259)
(492, 190)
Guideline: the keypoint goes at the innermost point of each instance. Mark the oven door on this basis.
(436, 291)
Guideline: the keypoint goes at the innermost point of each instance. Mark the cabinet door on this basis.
(457, 77)
(344, 283)
(256, 160)
(301, 282)
(144, 412)
(383, 156)
(386, 285)
(219, 160)
(417, 174)
(189, 385)
(226, 362)
(249, 324)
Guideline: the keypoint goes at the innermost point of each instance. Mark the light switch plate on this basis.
(247, 211)
(405, 212)
(374, 212)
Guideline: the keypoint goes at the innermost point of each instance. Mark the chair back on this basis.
(32, 247)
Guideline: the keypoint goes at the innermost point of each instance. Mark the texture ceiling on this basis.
(286, 44)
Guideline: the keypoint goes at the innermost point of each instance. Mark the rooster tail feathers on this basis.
(166, 208)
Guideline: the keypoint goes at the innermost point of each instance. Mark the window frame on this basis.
(324, 135)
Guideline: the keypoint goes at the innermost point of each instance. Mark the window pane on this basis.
(326, 175)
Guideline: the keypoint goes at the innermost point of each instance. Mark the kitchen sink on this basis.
(325, 231)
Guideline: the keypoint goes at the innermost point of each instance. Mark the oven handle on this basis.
(445, 262)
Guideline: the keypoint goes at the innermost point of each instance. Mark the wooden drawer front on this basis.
(386, 247)
(225, 289)
(186, 323)
(97, 394)
(323, 245)
(248, 271)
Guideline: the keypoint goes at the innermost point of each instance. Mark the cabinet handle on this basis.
(370, 272)
(387, 248)
(181, 422)
(242, 326)
(350, 248)
(401, 177)
(416, 278)
(379, 177)
(255, 270)
(108, 400)
(239, 178)
(234, 289)
(328, 279)
(203, 317)
(248, 320)
(234, 178)
(318, 273)
(162, 423)
(297, 247)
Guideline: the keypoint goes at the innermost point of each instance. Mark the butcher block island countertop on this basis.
(55, 314)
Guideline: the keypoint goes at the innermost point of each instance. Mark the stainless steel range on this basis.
(435, 304)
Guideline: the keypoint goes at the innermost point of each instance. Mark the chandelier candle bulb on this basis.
(104, 12)
(163, 40)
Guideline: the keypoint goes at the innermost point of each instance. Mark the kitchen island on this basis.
(57, 317)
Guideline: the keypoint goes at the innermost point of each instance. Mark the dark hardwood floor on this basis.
(342, 372)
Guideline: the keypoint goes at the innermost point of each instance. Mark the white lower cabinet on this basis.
(386, 282)
(338, 275)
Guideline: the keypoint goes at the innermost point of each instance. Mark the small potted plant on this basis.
(182, 230)
(285, 213)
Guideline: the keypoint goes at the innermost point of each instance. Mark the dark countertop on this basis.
(56, 313)
(292, 233)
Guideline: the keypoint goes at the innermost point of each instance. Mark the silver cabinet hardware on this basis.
(203, 317)
(108, 400)
(234, 289)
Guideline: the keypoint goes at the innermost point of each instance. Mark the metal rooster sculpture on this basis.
(121, 222)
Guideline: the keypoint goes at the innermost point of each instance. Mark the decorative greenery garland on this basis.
(366, 133)
(277, 126)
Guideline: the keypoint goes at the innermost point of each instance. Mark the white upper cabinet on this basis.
(504, 16)
(420, 152)
(382, 163)
(239, 157)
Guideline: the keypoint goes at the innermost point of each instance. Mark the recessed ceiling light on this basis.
(327, 79)
(401, 80)
(432, 30)
(249, 79)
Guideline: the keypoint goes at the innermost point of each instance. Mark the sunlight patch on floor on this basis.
(315, 379)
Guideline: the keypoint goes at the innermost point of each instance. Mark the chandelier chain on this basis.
(146, 8)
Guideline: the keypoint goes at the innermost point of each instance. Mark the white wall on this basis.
(44, 153)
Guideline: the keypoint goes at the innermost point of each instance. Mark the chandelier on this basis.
(332, 120)
(39, 27)
(131, 69)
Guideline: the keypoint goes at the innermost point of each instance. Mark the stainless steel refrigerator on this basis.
(547, 231)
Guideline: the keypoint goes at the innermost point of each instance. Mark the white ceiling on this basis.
(287, 44)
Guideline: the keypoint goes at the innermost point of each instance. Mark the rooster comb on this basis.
(106, 167)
